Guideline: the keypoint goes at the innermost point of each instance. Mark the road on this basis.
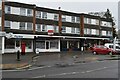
(98, 69)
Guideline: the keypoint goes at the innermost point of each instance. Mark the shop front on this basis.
(47, 45)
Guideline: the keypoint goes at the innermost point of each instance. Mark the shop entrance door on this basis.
(47, 44)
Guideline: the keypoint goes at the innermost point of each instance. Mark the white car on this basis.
(111, 45)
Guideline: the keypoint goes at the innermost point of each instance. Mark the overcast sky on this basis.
(78, 6)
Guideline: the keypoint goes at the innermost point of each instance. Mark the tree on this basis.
(109, 17)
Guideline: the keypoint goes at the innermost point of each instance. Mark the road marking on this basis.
(43, 76)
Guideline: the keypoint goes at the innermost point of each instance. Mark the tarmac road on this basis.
(99, 69)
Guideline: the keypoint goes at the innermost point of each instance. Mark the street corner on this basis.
(13, 66)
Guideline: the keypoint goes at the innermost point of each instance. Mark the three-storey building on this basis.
(32, 25)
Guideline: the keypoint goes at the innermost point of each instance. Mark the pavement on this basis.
(29, 60)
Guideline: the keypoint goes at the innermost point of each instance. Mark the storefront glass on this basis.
(9, 43)
(40, 44)
(53, 44)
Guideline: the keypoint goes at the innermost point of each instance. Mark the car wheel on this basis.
(94, 53)
(110, 53)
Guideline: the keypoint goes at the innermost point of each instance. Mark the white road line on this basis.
(43, 76)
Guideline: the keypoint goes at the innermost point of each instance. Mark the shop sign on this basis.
(18, 36)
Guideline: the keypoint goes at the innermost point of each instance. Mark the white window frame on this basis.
(6, 9)
(31, 12)
(22, 26)
(38, 29)
(23, 11)
(38, 14)
(29, 25)
(44, 15)
(7, 23)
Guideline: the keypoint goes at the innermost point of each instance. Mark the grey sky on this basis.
(78, 6)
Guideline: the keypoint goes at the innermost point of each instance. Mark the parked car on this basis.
(111, 45)
(100, 49)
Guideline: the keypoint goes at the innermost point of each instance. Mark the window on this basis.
(22, 25)
(85, 30)
(28, 44)
(53, 44)
(89, 21)
(9, 44)
(72, 30)
(7, 24)
(55, 28)
(29, 12)
(63, 29)
(97, 32)
(29, 26)
(40, 44)
(85, 20)
(63, 18)
(73, 19)
(38, 14)
(104, 33)
(77, 30)
(43, 28)
(44, 15)
(38, 27)
(88, 31)
(109, 33)
(78, 19)
(23, 11)
(93, 31)
(56, 17)
(7, 9)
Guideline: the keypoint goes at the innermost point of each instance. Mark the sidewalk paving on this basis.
(48, 59)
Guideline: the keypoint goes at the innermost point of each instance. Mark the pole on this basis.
(114, 46)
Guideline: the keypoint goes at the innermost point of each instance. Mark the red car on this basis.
(100, 49)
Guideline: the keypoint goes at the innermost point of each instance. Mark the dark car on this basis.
(100, 49)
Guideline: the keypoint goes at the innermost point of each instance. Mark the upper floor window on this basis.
(73, 19)
(7, 24)
(7, 9)
(78, 19)
(63, 29)
(23, 11)
(63, 18)
(56, 17)
(77, 30)
(38, 14)
(29, 26)
(38, 27)
(29, 12)
(44, 28)
(72, 30)
(44, 15)
(22, 25)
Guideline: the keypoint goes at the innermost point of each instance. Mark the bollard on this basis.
(18, 55)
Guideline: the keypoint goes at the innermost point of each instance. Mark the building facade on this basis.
(49, 30)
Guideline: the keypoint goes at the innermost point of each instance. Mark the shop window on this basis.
(23, 11)
(28, 44)
(9, 44)
(40, 44)
(53, 44)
